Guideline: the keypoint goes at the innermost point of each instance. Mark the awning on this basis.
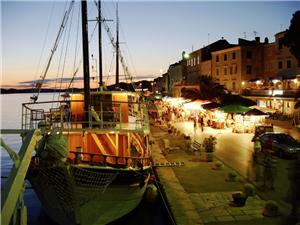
(255, 112)
(211, 105)
(263, 109)
(234, 109)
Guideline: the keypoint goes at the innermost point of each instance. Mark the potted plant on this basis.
(209, 144)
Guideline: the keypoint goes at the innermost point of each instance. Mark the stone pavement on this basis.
(198, 193)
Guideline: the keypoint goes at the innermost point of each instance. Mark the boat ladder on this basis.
(12, 195)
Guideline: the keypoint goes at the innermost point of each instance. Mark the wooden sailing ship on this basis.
(93, 161)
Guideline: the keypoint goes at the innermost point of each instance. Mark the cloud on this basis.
(50, 83)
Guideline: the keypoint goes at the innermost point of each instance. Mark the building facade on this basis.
(264, 72)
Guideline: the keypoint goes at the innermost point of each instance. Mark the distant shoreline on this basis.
(122, 86)
(19, 91)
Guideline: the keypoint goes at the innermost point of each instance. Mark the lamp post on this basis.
(185, 57)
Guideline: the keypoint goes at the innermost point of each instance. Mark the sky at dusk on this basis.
(152, 34)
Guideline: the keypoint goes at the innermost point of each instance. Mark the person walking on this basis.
(294, 194)
(270, 171)
(195, 124)
(201, 123)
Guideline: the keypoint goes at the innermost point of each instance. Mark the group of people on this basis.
(263, 166)
(198, 120)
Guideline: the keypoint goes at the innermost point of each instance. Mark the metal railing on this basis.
(272, 93)
(53, 114)
(115, 161)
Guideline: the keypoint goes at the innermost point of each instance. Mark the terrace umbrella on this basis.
(255, 112)
(234, 109)
(211, 105)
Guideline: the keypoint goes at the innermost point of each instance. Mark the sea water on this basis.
(11, 114)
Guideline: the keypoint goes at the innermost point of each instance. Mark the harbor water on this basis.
(11, 112)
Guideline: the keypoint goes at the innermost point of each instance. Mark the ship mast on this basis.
(117, 49)
(100, 44)
(85, 49)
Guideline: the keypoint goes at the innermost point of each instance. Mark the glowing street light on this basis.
(295, 81)
(186, 55)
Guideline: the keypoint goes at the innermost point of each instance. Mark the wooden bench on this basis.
(196, 146)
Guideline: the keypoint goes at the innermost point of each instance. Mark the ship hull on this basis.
(69, 200)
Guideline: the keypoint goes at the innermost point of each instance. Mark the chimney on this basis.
(257, 39)
(266, 40)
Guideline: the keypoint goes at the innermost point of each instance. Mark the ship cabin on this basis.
(115, 130)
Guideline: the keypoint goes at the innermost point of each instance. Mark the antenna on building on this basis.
(255, 33)
(244, 35)
(208, 39)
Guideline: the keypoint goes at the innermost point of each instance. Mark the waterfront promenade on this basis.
(199, 194)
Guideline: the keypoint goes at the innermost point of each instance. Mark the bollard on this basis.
(270, 209)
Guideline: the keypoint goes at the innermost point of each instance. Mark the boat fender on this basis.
(151, 193)
(53, 146)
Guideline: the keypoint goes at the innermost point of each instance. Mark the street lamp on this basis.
(185, 55)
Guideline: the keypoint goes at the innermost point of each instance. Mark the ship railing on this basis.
(109, 160)
(57, 114)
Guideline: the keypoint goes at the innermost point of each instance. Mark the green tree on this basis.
(209, 90)
(292, 36)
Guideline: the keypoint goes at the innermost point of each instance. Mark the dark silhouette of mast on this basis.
(117, 50)
(100, 44)
(85, 49)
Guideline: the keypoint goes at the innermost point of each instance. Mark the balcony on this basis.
(270, 93)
